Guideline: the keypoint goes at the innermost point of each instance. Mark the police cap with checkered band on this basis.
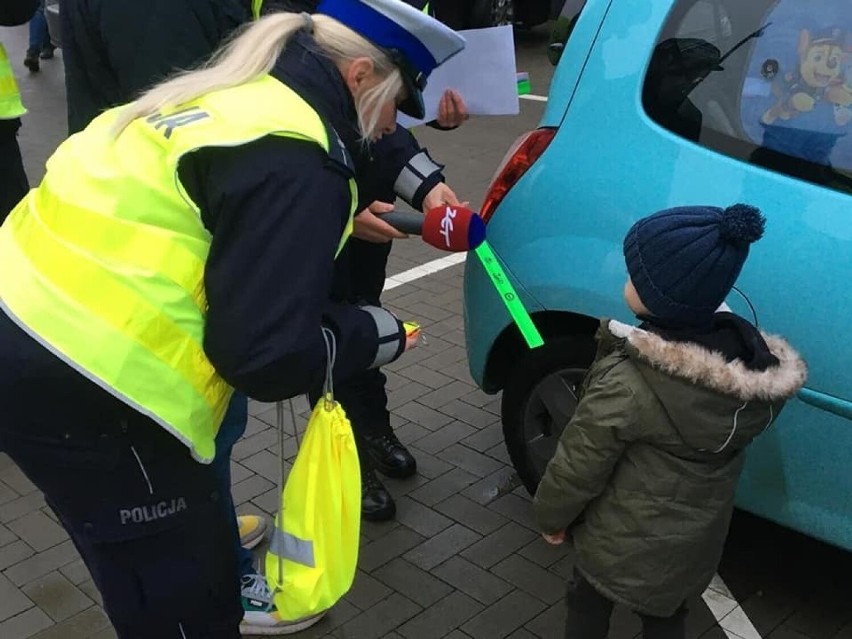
(416, 42)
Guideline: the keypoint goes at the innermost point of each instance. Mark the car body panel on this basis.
(576, 53)
(560, 231)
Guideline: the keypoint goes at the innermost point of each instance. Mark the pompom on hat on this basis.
(684, 261)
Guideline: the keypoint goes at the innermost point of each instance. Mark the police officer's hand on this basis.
(411, 341)
(452, 111)
(370, 227)
(441, 195)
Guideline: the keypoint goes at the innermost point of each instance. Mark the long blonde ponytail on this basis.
(253, 52)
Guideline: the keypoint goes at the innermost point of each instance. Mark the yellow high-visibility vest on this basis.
(10, 95)
(103, 263)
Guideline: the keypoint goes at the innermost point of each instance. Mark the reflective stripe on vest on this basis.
(103, 263)
(10, 96)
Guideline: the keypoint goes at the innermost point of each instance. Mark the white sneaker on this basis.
(260, 617)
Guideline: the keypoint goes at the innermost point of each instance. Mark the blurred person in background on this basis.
(40, 46)
(13, 178)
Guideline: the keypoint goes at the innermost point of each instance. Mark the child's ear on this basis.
(804, 42)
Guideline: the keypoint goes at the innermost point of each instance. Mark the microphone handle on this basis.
(408, 223)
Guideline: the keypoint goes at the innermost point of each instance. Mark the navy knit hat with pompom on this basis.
(684, 261)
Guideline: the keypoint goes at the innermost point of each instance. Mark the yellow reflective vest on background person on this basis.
(103, 263)
(11, 106)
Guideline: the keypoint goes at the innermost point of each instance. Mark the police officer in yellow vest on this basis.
(112, 51)
(13, 180)
(180, 247)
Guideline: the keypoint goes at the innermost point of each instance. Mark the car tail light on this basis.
(523, 154)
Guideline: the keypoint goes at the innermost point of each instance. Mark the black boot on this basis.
(376, 502)
(389, 456)
(31, 61)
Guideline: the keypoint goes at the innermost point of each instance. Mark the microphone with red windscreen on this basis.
(449, 228)
(458, 229)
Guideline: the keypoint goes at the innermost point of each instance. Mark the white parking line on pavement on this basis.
(728, 612)
(534, 98)
(722, 604)
(423, 270)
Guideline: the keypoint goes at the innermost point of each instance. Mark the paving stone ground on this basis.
(462, 559)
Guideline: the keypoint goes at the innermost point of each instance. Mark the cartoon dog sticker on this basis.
(820, 78)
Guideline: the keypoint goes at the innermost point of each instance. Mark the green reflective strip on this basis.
(290, 547)
(509, 296)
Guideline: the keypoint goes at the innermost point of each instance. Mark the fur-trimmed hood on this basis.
(714, 404)
(696, 364)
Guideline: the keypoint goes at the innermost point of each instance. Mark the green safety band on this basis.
(510, 298)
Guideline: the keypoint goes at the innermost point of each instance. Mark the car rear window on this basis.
(766, 81)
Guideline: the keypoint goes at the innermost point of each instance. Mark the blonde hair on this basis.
(253, 53)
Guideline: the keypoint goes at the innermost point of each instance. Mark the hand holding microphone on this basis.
(440, 195)
(456, 229)
(370, 226)
(447, 224)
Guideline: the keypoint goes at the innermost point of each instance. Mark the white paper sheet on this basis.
(484, 74)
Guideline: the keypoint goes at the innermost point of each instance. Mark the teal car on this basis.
(662, 103)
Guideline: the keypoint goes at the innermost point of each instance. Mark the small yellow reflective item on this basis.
(313, 555)
(412, 329)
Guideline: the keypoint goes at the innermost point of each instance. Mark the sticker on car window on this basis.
(797, 95)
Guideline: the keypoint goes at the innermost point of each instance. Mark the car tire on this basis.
(492, 13)
(540, 399)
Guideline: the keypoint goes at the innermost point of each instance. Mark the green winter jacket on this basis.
(644, 474)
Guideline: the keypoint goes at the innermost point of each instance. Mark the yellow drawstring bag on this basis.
(313, 554)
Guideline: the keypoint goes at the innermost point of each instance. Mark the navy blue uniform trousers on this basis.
(150, 522)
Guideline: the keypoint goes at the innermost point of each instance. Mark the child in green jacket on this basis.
(644, 475)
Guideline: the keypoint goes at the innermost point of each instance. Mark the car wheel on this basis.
(540, 399)
(492, 13)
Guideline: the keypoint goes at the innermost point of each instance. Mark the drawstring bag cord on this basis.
(328, 398)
